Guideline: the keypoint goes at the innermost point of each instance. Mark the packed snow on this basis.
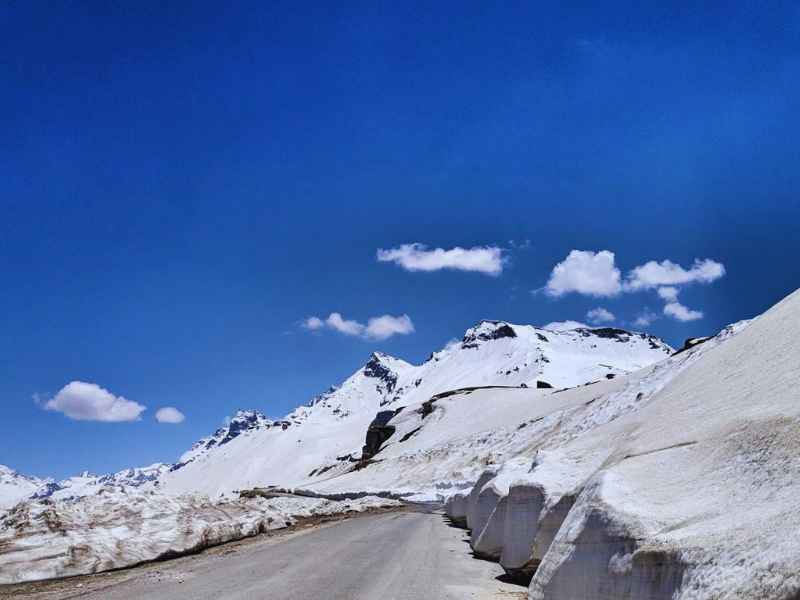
(119, 528)
(687, 491)
(15, 487)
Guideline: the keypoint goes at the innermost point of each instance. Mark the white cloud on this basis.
(600, 315)
(667, 273)
(380, 328)
(644, 318)
(585, 272)
(678, 311)
(313, 323)
(668, 293)
(342, 325)
(169, 414)
(83, 401)
(417, 257)
(376, 328)
(565, 325)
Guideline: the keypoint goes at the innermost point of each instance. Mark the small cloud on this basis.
(381, 328)
(342, 325)
(83, 401)
(313, 323)
(488, 260)
(376, 328)
(668, 293)
(678, 311)
(565, 326)
(600, 315)
(169, 414)
(585, 272)
(520, 245)
(667, 273)
(645, 318)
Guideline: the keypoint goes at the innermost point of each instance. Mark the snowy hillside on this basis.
(687, 492)
(15, 487)
(323, 439)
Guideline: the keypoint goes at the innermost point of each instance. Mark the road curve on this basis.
(389, 556)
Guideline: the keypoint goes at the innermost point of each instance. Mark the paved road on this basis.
(390, 556)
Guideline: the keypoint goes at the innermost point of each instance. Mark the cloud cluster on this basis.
(376, 328)
(170, 414)
(488, 260)
(83, 401)
(596, 274)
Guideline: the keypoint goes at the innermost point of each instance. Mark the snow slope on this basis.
(15, 487)
(688, 488)
(323, 439)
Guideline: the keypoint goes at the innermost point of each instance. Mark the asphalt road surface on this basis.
(389, 556)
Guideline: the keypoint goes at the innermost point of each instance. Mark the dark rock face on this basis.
(543, 385)
(378, 432)
(622, 336)
(610, 333)
(691, 343)
(50, 488)
(243, 421)
(377, 369)
(477, 334)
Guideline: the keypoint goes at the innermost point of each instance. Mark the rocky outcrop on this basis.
(376, 369)
(486, 331)
(378, 432)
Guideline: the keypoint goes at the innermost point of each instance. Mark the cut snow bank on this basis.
(46, 539)
(682, 485)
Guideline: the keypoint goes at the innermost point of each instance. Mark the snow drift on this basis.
(46, 539)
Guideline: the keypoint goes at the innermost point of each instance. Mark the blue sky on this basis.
(182, 186)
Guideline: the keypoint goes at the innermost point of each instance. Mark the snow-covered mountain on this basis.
(325, 438)
(15, 487)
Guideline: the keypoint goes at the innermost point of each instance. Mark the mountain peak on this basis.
(487, 330)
